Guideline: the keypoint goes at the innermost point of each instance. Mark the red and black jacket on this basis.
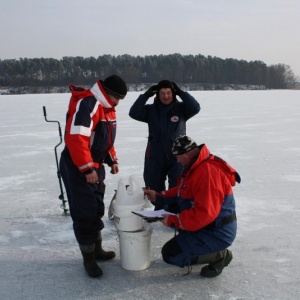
(203, 193)
(90, 128)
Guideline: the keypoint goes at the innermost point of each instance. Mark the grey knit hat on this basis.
(114, 85)
(183, 144)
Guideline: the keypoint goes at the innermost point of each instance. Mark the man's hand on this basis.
(165, 220)
(92, 177)
(151, 195)
(151, 91)
(177, 89)
(114, 169)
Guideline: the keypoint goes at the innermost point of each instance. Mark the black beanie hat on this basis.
(165, 84)
(183, 144)
(114, 85)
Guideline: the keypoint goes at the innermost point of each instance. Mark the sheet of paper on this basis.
(152, 213)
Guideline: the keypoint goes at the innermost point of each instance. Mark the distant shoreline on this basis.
(131, 87)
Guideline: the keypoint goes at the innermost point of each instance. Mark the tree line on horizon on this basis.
(183, 69)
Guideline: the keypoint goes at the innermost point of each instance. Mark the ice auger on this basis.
(61, 196)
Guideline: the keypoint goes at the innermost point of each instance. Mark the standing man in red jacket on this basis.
(89, 144)
(206, 221)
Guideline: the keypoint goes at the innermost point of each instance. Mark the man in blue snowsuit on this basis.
(166, 118)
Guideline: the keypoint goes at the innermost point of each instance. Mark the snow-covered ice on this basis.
(257, 132)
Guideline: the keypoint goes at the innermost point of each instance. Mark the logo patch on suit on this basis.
(175, 119)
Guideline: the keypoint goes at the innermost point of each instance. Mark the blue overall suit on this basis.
(165, 123)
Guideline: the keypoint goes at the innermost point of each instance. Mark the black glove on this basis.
(151, 91)
(178, 91)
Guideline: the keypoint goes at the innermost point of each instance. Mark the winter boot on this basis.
(217, 264)
(206, 258)
(101, 254)
(89, 262)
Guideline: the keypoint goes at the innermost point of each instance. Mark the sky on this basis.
(256, 132)
(265, 30)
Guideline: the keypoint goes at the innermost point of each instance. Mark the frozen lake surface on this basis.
(257, 132)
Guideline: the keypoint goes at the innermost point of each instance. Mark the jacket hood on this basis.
(97, 91)
(101, 95)
(206, 156)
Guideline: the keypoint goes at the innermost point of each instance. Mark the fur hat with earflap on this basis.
(165, 84)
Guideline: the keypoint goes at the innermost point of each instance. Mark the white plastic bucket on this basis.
(132, 195)
(125, 220)
(135, 248)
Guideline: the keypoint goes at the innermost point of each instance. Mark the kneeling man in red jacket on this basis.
(206, 220)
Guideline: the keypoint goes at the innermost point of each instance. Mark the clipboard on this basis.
(152, 215)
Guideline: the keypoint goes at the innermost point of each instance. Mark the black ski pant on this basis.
(85, 200)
